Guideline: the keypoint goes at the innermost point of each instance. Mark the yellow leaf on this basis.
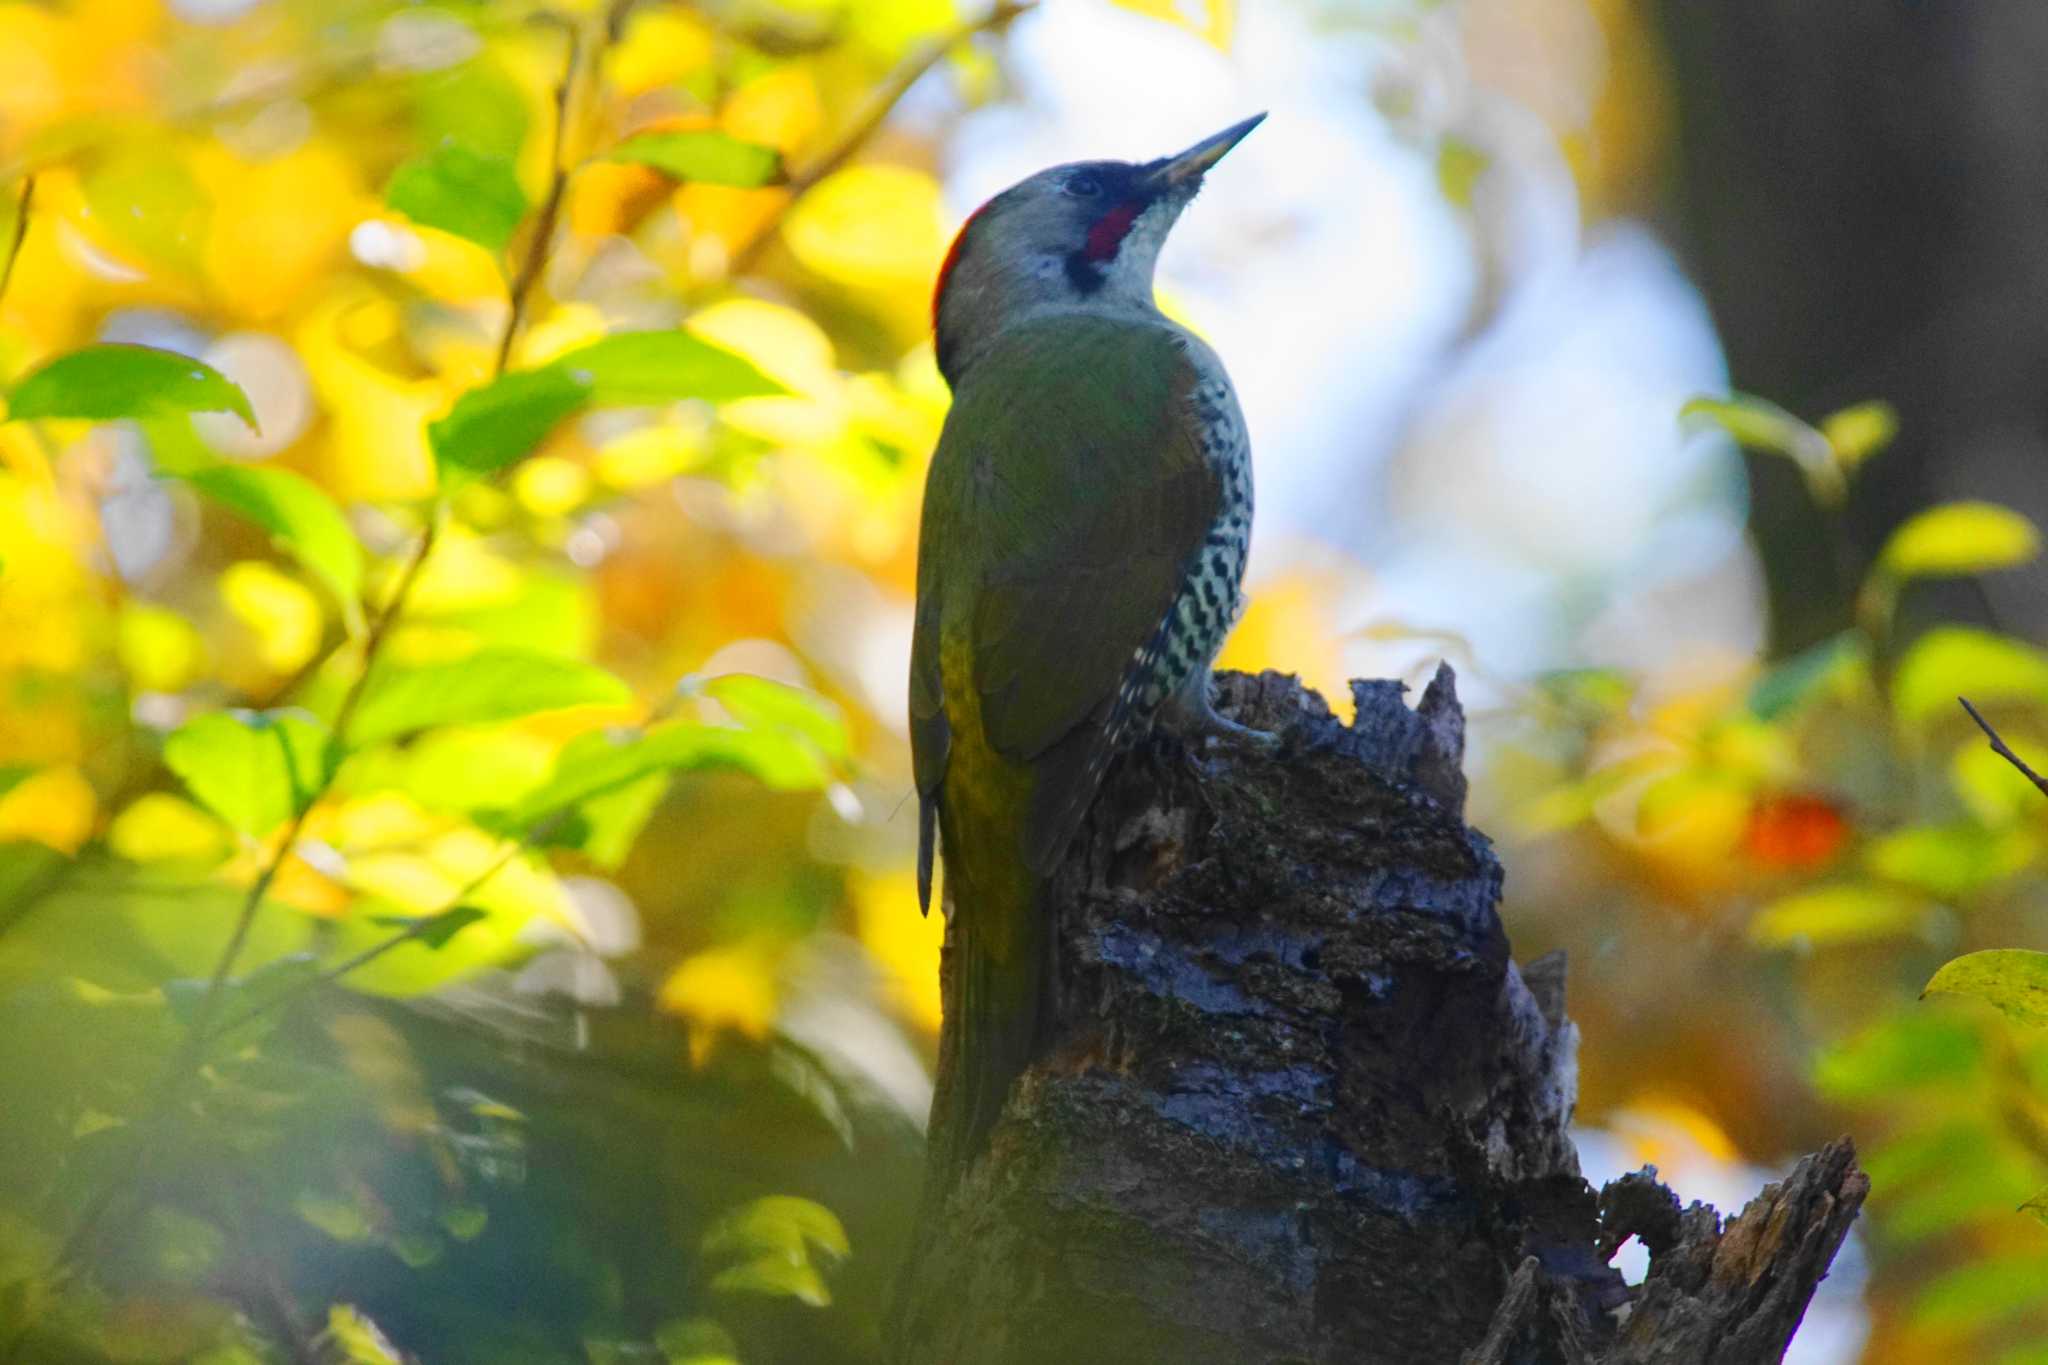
(1664, 1131)
(730, 989)
(564, 329)
(1762, 425)
(780, 108)
(659, 47)
(282, 614)
(550, 486)
(1993, 790)
(55, 807)
(1848, 912)
(791, 349)
(377, 441)
(1859, 432)
(651, 454)
(1952, 661)
(873, 227)
(162, 827)
(1960, 538)
(158, 648)
(904, 943)
(281, 224)
(2013, 979)
(1213, 20)
(1694, 819)
(463, 572)
(783, 343)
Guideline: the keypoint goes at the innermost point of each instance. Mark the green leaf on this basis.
(1764, 426)
(356, 1340)
(254, 769)
(433, 930)
(2038, 1206)
(493, 684)
(1898, 1163)
(663, 367)
(1858, 432)
(461, 191)
(341, 1219)
(1960, 538)
(764, 704)
(1982, 1291)
(476, 104)
(502, 422)
(114, 380)
(593, 764)
(465, 1222)
(1588, 693)
(1950, 860)
(774, 1275)
(1844, 913)
(300, 517)
(772, 1240)
(418, 1250)
(707, 157)
(607, 826)
(1904, 1051)
(695, 1341)
(1833, 664)
(2013, 979)
(179, 1247)
(779, 1222)
(142, 194)
(1993, 1188)
(258, 990)
(1952, 661)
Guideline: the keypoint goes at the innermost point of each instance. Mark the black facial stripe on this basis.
(1084, 274)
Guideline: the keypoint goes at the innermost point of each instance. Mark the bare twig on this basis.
(202, 1029)
(1999, 747)
(536, 255)
(872, 117)
(21, 208)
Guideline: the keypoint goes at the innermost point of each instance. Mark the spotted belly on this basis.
(1184, 647)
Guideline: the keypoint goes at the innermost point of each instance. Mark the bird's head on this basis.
(1083, 235)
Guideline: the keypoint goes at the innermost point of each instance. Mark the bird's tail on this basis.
(1000, 943)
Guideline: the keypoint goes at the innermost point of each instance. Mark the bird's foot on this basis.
(1199, 728)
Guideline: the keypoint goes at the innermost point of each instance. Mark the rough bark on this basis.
(1296, 1102)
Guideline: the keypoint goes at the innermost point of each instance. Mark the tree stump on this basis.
(1296, 1103)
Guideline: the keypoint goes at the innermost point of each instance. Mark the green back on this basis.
(1066, 501)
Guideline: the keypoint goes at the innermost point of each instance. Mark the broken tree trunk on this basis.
(1296, 1103)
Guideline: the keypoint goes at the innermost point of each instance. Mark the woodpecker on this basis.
(1086, 519)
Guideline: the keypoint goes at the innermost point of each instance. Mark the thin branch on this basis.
(536, 256)
(21, 208)
(863, 129)
(420, 927)
(1999, 747)
(202, 1029)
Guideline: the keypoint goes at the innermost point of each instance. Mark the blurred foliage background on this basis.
(457, 516)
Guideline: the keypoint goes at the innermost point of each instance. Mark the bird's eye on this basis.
(1084, 185)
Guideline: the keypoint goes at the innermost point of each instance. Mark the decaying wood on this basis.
(1296, 1102)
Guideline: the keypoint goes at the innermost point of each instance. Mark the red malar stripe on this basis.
(1110, 229)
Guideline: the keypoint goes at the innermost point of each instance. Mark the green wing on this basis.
(1070, 495)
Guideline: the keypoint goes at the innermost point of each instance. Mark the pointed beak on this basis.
(1193, 163)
